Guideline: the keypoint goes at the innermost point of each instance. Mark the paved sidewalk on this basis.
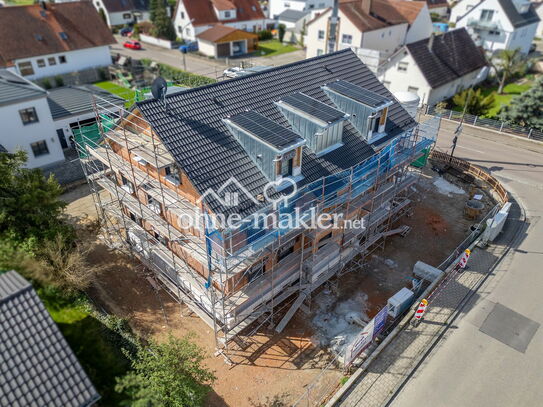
(384, 376)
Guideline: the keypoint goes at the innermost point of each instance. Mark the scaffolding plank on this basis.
(290, 313)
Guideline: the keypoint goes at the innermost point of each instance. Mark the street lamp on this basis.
(480, 76)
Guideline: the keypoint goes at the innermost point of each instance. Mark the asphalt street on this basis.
(470, 366)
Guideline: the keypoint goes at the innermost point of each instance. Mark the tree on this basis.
(162, 23)
(507, 64)
(102, 14)
(478, 104)
(30, 208)
(303, 32)
(153, 4)
(168, 374)
(281, 32)
(525, 109)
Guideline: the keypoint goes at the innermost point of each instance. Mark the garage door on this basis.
(223, 50)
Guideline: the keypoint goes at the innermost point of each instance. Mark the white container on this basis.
(399, 302)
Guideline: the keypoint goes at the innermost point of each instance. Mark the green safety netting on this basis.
(423, 159)
(90, 135)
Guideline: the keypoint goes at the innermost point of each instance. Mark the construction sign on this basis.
(364, 338)
(464, 259)
(421, 309)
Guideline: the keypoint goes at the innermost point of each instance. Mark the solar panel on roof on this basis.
(265, 129)
(358, 93)
(313, 107)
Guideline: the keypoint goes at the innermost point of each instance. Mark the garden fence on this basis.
(478, 121)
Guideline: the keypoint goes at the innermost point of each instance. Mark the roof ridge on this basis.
(266, 72)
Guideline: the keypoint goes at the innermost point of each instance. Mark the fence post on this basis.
(501, 127)
(475, 120)
(427, 108)
(530, 133)
(450, 114)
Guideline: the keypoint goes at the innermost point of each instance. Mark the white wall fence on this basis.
(478, 121)
(157, 41)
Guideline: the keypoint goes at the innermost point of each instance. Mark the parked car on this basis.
(232, 72)
(189, 47)
(132, 44)
(125, 31)
(236, 71)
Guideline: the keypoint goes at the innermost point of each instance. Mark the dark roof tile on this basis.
(194, 132)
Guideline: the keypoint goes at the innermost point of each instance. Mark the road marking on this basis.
(471, 149)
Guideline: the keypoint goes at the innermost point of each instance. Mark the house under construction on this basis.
(323, 132)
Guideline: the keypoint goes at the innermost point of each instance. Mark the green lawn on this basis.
(125, 93)
(274, 47)
(510, 91)
(20, 2)
(96, 346)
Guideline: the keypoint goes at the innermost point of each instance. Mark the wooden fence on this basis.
(471, 169)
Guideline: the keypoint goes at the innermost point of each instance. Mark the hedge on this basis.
(179, 76)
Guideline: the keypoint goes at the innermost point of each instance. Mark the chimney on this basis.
(431, 42)
(366, 6)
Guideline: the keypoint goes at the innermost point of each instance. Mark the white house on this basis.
(120, 12)
(439, 7)
(276, 7)
(26, 121)
(435, 68)
(45, 40)
(191, 18)
(294, 21)
(365, 24)
(417, 14)
(498, 24)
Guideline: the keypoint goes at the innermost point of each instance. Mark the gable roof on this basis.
(73, 100)
(14, 88)
(382, 14)
(517, 19)
(202, 12)
(219, 31)
(25, 32)
(453, 55)
(116, 6)
(290, 15)
(37, 366)
(410, 10)
(196, 136)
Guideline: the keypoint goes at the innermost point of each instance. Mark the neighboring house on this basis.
(73, 106)
(26, 121)
(418, 16)
(436, 68)
(45, 40)
(37, 366)
(276, 7)
(366, 24)
(498, 24)
(294, 22)
(221, 41)
(120, 12)
(439, 7)
(194, 17)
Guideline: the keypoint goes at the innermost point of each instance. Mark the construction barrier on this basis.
(477, 172)
(421, 309)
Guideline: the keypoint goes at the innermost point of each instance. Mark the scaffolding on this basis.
(242, 278)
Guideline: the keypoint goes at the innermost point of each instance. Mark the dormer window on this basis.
(318, 123)
(276, 150)
(367, 110)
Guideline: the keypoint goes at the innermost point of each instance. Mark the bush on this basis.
(265, 35)
(282, 31)
(179, 76)
(46, 84)
(59, 81)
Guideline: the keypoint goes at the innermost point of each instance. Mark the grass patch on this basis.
(121, 91)
(20, 2)
(274, 47)
(96, 346)
(510, 91)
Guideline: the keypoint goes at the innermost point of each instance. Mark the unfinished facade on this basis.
(324, 132)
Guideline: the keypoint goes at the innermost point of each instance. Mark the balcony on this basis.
(476, 23)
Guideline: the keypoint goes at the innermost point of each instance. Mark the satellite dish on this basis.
(159, 88)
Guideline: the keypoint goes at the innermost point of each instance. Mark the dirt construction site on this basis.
(275, 369)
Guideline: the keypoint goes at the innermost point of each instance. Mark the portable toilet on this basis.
(399, 302)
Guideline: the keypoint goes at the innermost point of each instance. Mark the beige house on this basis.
(363, 24)
(221, 41)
